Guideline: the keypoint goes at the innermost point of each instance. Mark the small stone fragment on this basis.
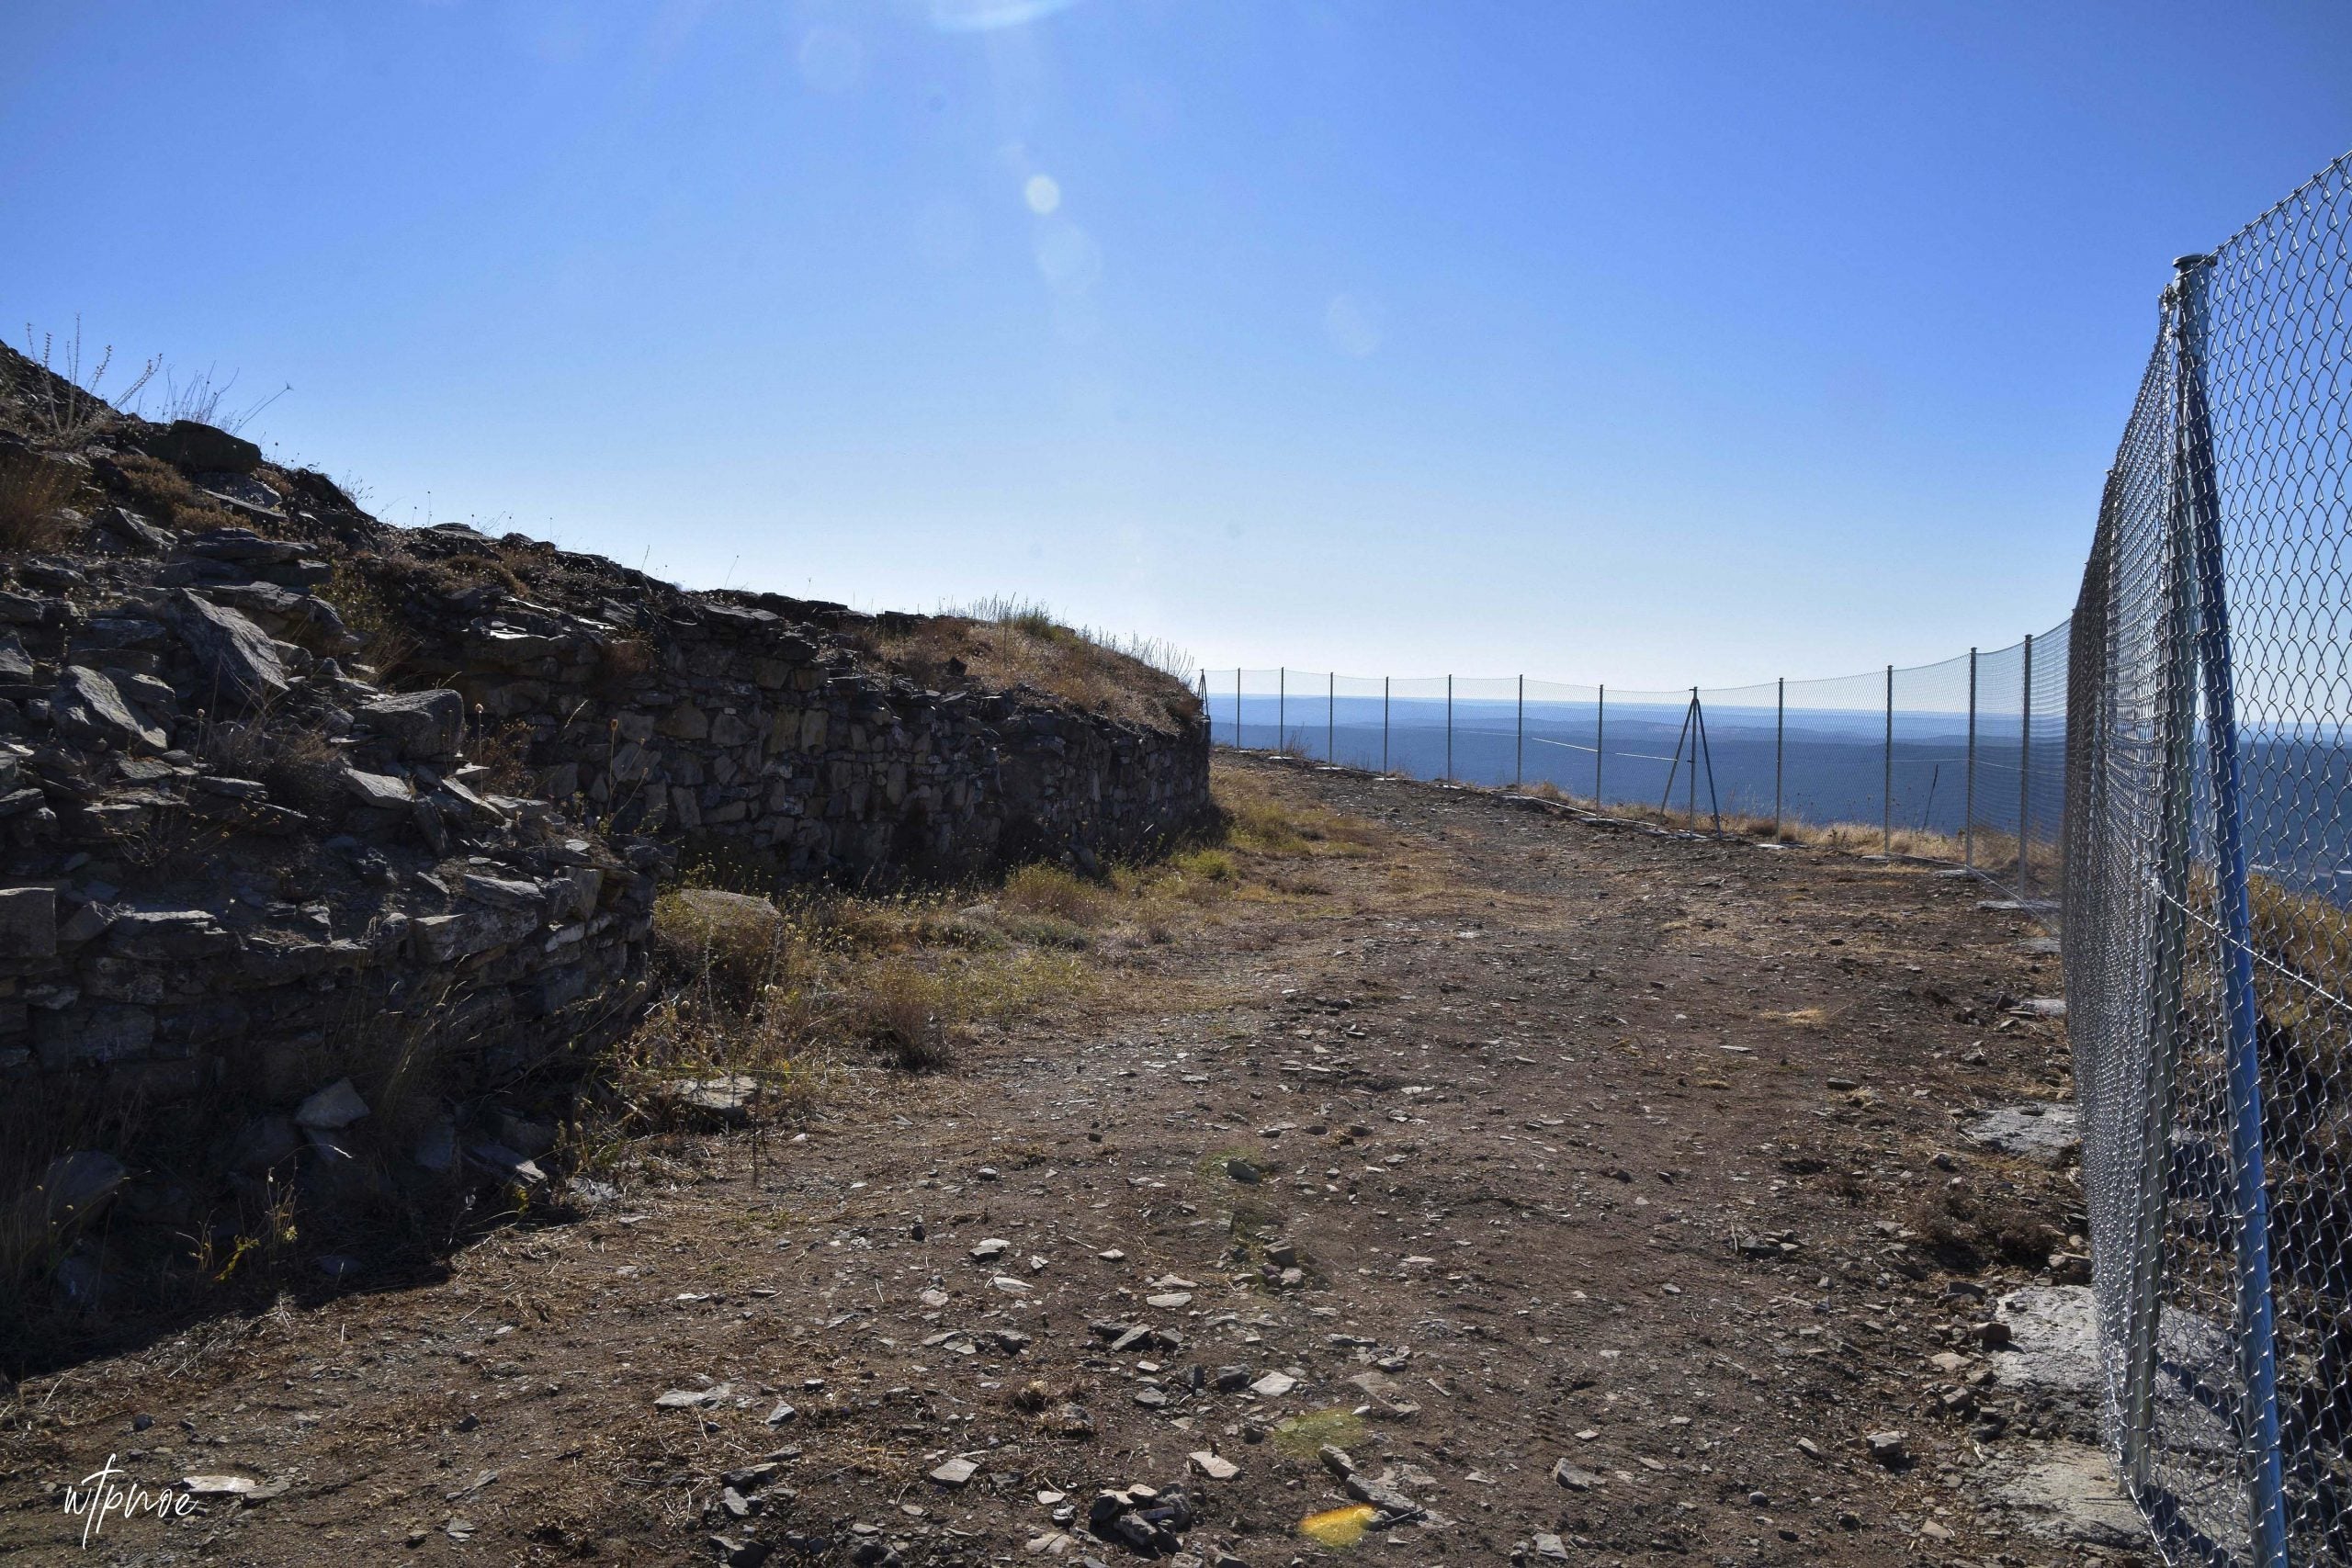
(956, 1472)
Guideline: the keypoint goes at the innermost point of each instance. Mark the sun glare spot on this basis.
(1068, 257)
(1043, 193)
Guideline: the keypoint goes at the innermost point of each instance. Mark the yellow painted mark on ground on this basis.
(1338, 1527)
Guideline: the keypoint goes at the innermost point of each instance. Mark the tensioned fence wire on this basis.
(2208, 948)
(1884, 757)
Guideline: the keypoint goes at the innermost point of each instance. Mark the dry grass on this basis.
(371, 613)
(302, 766)
(162, 491)
(1015, 645)
(1265, 820)
(1052, 890)
(67, 406)
(1850, 838)
(504, 749)
(775, 989)
(34, 492)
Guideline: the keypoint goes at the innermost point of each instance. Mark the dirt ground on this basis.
(1595, 1191)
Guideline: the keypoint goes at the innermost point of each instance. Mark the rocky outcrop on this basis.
(227, 859)
(289, 797)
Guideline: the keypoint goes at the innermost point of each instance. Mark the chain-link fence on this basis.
(1963, 760)
(2208, 942)
(2170, 769)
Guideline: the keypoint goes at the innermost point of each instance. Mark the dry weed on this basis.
(34, 491)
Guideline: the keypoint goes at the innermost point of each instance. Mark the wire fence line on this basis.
(2169, 770)
(1960, 761)
(2208, 947)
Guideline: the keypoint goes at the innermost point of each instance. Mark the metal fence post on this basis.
(1282, 700)
(1449, 729)
(2257, 1351)
(1968, 807)
(1690, 806)
(1599, 734)
(1519, 762)
(2024, 774)
(1384, 723)
(1886, 792)
(1779, 743)
(1331, 718)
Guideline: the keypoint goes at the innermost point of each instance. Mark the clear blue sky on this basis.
(1643, 342)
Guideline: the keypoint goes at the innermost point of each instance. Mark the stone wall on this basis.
(338, 839)
(269, 769)
(229, 861)
(752, 726)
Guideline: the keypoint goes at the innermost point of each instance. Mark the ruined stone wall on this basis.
(334, 837)
(749, 726)
(229, 861)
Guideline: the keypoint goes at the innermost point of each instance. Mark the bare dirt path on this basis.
(1596, 1194)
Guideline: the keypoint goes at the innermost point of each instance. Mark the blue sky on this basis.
(1643, 342)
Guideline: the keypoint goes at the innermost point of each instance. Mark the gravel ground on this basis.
(1536, 1188)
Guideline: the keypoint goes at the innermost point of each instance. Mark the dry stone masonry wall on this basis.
(751, 727)
(228, 860)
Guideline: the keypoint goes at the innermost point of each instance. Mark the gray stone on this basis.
(530, 1139)
(2050, 1134)
(110, 1032)
(27, 923)
(336, 1106)
(75, 1187)
(2052, 1355)
(504, 1162)
(956, 1472)
(168, 934)
(505, 893)
(442, 939)
(2068, 1492)
(692, 1398)
(436, 1147)
(238, 659)
(1216, 1467)
(201, 448)
(1383, 1496)
(381, 791)
(244, 1488)
(727, 1098)
(263, 1144)
(131, 529)
(89, 709)
(1574, 1479)
(428, 726)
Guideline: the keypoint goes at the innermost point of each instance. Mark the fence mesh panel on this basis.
(2169, 769)
(2207, 934)
(1824, 754)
